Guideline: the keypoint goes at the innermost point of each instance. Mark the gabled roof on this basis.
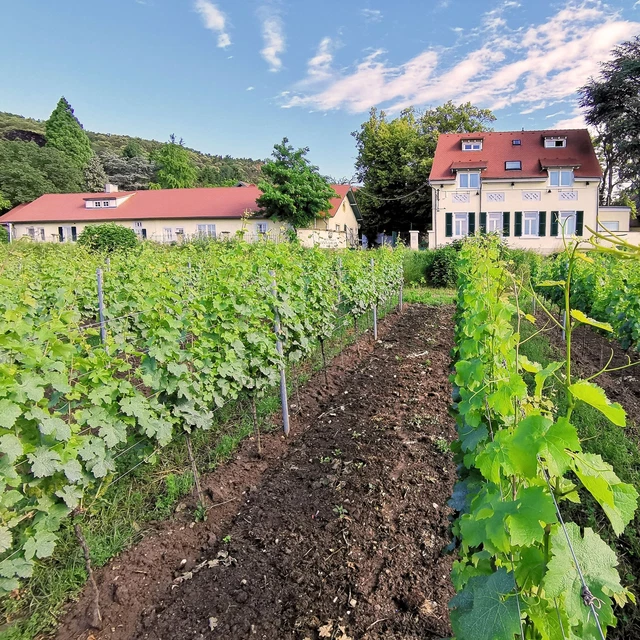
(213, 202)
(497, 148)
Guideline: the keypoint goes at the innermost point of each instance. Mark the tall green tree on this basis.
(293, 189)
(130, 174)
(394, 161)
(176, 169)
(64, 132)
(94, 175)
(28, 171)
(612, 105)
(133, 149)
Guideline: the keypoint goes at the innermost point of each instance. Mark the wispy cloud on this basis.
(214, 20)
(250, 88)
(373, 15)
(273, 36)
(530, 68)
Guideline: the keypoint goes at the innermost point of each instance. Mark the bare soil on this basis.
(337, 532)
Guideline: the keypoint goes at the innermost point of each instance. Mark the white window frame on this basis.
(609, 225)
(567, 222)
(460, 225)
(495, 222)
(530, 218)
(513, 162)
(106, 203)
(468, 175)
(472, 145)
(97, 203)
(552, 143)
(167, 234)
(207, 231)
(557, 175)
(137, 225)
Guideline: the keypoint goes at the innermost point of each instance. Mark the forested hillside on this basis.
(30, 167)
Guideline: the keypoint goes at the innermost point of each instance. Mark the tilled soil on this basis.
(338, 533)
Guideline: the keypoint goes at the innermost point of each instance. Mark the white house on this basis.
(528, 186)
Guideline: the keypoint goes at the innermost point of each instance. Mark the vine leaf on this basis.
(5, 539)
(577, 315)
(551, 622)
(44, 462)
(55, 427)
(598, 564)
(71, 495)
(9, 413)
(41, 545)
(486, 608)
(11, 447)
(595, 396)
(535, 510)
(619, 500)
(542, 375)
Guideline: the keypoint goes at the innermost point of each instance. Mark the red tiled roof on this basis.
(213, 202)
(559, 162)
(477, 164)
(497, 148)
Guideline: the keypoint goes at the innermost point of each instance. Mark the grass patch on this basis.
(600, 436)
(429, 295)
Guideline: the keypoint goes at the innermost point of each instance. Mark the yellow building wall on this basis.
(551, 199)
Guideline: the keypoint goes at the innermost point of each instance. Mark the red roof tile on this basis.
(497, 148)
(214, 202)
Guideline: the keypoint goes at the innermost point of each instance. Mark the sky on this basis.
(233, 77)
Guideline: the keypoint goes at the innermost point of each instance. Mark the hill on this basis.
(224, 168)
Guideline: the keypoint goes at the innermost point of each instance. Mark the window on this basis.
(179, 231)
(337, 227)
(261, 228)
(552, 143)
(460, 225)
(609, 225)
(561, 177)
(106, 203)
(568, 222)
(167, 234)
(494, 222)
(41, 233)
(31, 232)
(516, 143)
(469, 180)
(207, 230)
(530, 224)
(472, 145)
(97, 204)
(513, 165)
(137, 225)
(67, 234)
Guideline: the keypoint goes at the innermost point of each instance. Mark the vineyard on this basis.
(143, 353)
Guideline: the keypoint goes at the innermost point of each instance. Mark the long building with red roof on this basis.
(167, 215)
(530, 187)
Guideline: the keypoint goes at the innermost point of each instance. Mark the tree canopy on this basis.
(394, 161)
(176, 170)
(293, 189)
(28, 171)
(65, 133)
(130, 174)
(612, 105)
(94, 175)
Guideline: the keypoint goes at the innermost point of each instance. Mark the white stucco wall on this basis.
(513, 195)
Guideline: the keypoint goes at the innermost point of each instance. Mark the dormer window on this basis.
(472, 145)
(516, 143)
(555, 142)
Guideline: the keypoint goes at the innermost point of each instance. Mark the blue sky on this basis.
(235, 76)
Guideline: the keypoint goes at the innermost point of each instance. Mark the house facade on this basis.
(170, 215)
(531, 187)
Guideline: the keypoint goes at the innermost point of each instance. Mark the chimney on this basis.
(110, 188)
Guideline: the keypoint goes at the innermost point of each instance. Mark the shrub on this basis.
(415, 265)
(4, 235)
(107, 237)
(443, 270)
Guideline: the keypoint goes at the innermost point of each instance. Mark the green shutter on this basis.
(517, 225)
(472, 222)
(554, 223)
(579, 223)
(483, 222)
(542, 223)
(448, 225)
(506, 223)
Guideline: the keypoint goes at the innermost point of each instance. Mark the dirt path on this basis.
(337, 534)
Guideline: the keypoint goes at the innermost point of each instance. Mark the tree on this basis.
(130, 174)
(5, 203)
(65, 133)
(612, 105)
(176, 170)
(94, 175)
(293, 189)
(28, 171)
(394, 161)
(133, 149)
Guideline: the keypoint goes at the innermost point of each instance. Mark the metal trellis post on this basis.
(103, 326)
(283, 378)
(375, 306)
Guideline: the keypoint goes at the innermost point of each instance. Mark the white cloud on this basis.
(214, 20)
(274, 40)
(250, 88)
(574, 122)
(529, 68)
(375, 15)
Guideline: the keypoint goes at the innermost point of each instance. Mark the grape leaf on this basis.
(44, 462)
(9, 413)
(55, 427)
(535, 510)
(11, 447)
(71, 495)
(20, 567)
(486, 609)
(551, 621)
(31, 388)
(595, 396)
(6, 538)
(625, 498)
(542, 375)
(72, 470)
(530, 567)
(40, 545)
(584, 319)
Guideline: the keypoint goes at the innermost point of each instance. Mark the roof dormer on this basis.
(472, 145)
(555, 142)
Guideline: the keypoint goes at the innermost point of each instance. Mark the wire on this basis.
(394, 199)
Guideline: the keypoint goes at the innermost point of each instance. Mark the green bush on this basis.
(415, 265)
(4, 235)
(107, 237)
(443, 270)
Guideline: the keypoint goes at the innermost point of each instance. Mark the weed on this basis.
(226, 539)
(340, 511)
(325, 460)
(356, 434)
(337, 453)
(442, 445)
